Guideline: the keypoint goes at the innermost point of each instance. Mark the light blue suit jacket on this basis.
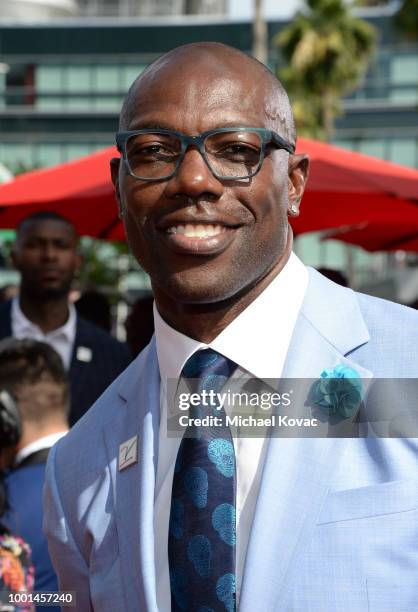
(336, 521)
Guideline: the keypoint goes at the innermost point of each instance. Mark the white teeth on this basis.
(197, 231)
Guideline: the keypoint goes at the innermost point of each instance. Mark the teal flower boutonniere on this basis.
(338, 392)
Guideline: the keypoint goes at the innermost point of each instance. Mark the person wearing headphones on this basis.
(16, 569)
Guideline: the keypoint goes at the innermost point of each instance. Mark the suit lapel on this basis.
(297, 471)
(6, 320)
(78, 365)
(133, 487)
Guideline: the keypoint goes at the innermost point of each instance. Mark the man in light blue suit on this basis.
(205, 184)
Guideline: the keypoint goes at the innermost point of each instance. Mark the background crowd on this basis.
(56, 358)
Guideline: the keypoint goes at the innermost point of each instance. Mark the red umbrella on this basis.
(399, 235)
(344, 188)
(347, 188)
(80, 190)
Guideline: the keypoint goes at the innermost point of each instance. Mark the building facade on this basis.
(62, 85)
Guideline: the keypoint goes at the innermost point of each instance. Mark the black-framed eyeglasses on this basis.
(231, 153)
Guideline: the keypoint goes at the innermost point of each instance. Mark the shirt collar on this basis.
(173, 348)
(25, 325)
(257, 339)
(37, 445)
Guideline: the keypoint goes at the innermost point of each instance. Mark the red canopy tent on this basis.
(347, 188)
(80, 190)
(344, 189)
(395, 236)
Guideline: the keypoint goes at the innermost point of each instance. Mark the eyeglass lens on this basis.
(229, 154)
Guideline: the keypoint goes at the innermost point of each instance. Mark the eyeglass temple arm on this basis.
(282, 143)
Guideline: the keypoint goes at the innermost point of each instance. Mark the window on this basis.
(403, 151)
(374, 147)
(404, 69)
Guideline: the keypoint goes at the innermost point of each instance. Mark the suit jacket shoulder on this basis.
(97, 360)
(389, 338)
(393, 330)
(87, 331)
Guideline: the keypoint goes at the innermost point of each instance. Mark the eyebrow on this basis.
(151, 125)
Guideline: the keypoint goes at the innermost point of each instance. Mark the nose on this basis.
(49, 252)
(194, 178)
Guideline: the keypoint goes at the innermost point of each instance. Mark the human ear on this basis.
(114, 172)
(14, 256)
(298, 176)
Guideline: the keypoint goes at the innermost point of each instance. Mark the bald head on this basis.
(218, 63)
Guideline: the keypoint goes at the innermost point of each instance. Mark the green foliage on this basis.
(20, 167)
(100, 263)
(372, 2)
(327, 51)
(407, 18)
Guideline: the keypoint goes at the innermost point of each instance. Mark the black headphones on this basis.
(10, 422)
(10, 432)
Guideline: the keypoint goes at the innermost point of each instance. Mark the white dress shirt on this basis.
(61, 339)
(37, 445)
(257, 340)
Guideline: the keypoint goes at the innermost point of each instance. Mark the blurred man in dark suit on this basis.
(45, 253)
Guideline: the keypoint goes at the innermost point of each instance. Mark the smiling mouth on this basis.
(200, 230)
(199, 238)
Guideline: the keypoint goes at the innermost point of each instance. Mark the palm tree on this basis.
(407, 18)
(260, 39)
(327, 51)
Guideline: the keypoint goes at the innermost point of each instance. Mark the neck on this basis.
(31, 432)
(204, 322)
(48, 314)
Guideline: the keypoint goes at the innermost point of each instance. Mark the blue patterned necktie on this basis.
(201, 539)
